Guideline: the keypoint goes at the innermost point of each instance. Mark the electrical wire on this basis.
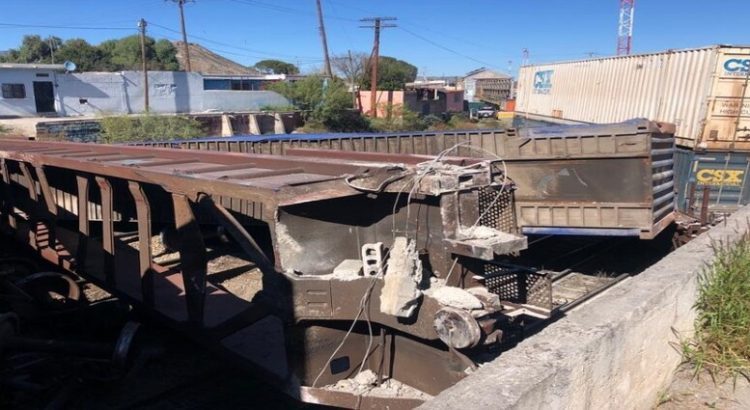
(362, 303)
(9, 25)
(422, 170)
(208, 40)
(450, 50)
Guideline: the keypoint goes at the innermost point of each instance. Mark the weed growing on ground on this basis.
(721, 344)
(148, 127)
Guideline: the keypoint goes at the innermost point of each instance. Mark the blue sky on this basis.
(441, 37)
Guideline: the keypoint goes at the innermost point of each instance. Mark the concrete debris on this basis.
(478, 232)
(490, 301)
(366, 378)
(348, 269)
(400, 295)
(493, 240)
(372, 258)
(454, 297)
(364, 384)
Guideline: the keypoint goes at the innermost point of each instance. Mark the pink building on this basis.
(382, 98)
(424, 101)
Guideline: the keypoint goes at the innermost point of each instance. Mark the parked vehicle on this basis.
(487, 112)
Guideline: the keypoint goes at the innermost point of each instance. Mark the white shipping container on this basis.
(703, 91)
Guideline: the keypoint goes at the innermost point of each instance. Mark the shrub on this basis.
(325, 102)
(398, 118)
(721, 344)
(148, 128)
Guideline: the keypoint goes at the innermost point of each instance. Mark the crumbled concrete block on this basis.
(372, 258)
(348, 269)
(455, 297)
(400, 295)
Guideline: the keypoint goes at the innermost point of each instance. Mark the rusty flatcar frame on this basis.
(318, 210)
(610, 179)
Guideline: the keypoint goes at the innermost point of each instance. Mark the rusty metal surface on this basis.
(594, 178)
(317, 214)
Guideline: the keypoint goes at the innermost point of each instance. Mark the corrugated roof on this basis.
(671, 50)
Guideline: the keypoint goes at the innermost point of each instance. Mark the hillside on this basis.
(206, 61)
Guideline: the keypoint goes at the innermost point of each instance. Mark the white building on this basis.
(30, 90)
(474, 80)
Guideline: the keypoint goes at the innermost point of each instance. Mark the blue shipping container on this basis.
(724, 173)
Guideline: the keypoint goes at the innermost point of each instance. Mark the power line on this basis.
(62, 27)
(208, 40)
(450, 50)
(220, 51)
(284, 9)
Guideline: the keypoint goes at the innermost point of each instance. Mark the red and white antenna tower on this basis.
(625, 29)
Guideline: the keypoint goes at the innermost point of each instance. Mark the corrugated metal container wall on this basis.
(727, 124)
(671, 87)
(723, 173)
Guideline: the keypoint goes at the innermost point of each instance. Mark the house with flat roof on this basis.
(31, 90)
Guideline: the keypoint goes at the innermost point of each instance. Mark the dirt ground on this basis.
(688, 392)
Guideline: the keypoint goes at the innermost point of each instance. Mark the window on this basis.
(231, 84)
(14, 91)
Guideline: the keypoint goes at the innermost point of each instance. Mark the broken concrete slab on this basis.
(400, 295)
(454, 297)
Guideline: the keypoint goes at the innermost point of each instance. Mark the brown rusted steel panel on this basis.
(145, 258)
(108, 231)
(8, 199)
(49, 199)
(238, 232)
(316, 221)
(84, 227)
(192, 258)
(598, 179)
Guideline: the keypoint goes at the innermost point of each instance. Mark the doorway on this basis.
(44, 95)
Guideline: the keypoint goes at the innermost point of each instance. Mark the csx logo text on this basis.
(719, 177)
(735, 65)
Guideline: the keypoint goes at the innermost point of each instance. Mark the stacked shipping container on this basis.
(703, 91)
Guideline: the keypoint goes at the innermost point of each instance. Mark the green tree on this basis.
(276, 67)
(110, 55)
(166, 55)
(324, 101)
(126, 54)
(33, 50)
(79, 51)
(393, 74)
(106, 49)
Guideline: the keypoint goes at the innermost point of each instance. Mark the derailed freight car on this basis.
(610, 180)
(703, 91)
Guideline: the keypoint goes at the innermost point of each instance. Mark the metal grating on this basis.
(519, 285)
(500, 215)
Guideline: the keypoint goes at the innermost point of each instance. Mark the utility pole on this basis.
(374, 57)
(186, 48)
(322, 28)
(142, 29)
(52, 43)
(352, 79)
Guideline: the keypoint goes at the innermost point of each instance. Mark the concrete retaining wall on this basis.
(615, 351)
